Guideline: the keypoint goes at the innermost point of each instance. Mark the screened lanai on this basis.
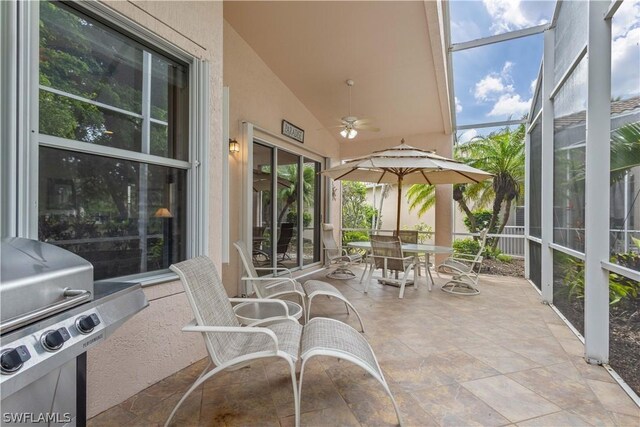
(569, 72)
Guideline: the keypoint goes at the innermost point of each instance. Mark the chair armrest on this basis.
(467, 257)
(263, 301)
(274, 269)
(406, 258)
(194, 327)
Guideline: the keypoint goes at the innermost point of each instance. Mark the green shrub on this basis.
(483, 218)
(468, 246)
(503, 258)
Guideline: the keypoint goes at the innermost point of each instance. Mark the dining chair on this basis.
(386, 252)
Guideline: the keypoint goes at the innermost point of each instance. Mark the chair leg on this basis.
(296, 395)
(364, 272)
(369, 277)
(202, 378)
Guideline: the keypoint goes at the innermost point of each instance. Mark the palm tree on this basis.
(500, 153)
(289, 194)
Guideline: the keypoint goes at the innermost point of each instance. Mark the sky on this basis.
(497, 82)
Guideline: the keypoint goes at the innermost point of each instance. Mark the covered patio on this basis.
(500, 358)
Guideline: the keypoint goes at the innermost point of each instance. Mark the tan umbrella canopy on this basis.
(405, 164)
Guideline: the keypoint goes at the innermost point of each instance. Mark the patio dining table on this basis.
(416, 249)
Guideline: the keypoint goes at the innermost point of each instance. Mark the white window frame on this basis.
(21, 139)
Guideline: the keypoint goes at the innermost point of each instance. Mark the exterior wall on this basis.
(408, 218)
(119, 367)
(443, 145)
(258, 96)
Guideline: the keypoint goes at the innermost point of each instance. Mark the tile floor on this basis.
(499, 358)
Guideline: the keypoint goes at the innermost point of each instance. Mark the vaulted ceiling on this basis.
(392, 50)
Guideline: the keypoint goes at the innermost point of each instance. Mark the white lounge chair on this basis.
(336, 255)
(275, 287)
(231, 346)
(464, 269)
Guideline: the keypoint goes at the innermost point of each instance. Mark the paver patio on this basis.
(499, 358)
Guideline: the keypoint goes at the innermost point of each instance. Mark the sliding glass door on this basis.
(286, 209)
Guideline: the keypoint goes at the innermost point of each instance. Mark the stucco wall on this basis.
(258, 96)
(151, 346)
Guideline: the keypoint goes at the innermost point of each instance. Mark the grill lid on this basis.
(38, 279)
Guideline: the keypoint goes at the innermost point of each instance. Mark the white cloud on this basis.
(532, 86)
(458, 106)
(467, 136)
(625, 60)
(491, 86)
(510, 105)
(510, 15)
(495, 84)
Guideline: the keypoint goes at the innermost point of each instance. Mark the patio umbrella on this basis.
(405, 164)
(262, 181)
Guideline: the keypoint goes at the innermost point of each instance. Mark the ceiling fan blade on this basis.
(364, 121)
(367, 127)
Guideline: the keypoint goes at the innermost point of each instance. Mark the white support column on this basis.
(596, 303)
(527, 201)
(547, 168)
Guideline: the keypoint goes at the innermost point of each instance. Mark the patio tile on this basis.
(511, 399)
(453, 405)
(380, 412)
(416, 374)
(339, 415)
(354, 384)
(461, 366)
(613, 398)
(501, 359)
(562, 418)
(498, 358)
(561, 391)
(114, 416)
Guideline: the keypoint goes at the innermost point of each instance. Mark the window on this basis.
(113, 146)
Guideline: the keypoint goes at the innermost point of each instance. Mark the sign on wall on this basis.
(292, 131)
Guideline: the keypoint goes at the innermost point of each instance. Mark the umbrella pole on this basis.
(399, 204)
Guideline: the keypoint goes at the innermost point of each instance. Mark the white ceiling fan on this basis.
(352, 124)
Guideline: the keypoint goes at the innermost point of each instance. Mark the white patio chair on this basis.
(231, 346)
(464, 269)
(386, 252)
(275, 287)
(336, 255)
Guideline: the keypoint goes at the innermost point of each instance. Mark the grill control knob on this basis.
(54, 340)
(85, 324)
(12, 359)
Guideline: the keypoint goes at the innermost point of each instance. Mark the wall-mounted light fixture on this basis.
(234, 147)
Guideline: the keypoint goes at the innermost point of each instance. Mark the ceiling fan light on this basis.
(344, 132)
(352, 133)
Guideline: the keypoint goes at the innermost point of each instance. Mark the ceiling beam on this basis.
(512, 35)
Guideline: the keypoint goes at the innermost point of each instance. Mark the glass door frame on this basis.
(253, 134)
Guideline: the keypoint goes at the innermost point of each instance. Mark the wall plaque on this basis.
(292, 131)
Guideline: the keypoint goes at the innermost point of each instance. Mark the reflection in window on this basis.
(124, 217)
(569, 159)
(100, 87)
(79, 57)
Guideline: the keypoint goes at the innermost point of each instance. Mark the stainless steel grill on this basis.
(51, 314)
